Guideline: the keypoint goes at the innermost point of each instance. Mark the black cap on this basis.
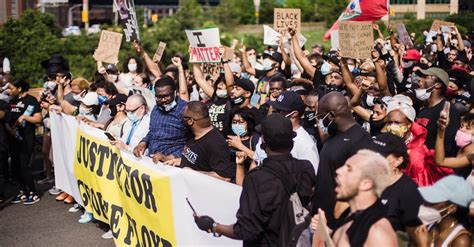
(246, 84)
(462, 57)
(276, 127)
(388, 143)
(118, 99)
(111, 69)
(458, 77)
(288, 101)
(275, 56)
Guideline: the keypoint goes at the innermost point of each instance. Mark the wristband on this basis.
(214, 233)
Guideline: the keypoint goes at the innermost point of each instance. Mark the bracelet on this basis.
(214, 233)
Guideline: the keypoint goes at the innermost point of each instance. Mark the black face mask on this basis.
(376, 126)
(238, 101)
(310, 116)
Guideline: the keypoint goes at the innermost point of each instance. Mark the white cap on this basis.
(91, 98)
(402, 103)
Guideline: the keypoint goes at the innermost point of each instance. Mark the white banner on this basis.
(205, 44)
(209, 196)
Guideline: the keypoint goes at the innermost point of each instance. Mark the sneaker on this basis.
(47, 180)
(75, 208)
(21, 197)
(54, 191)
(86, 218)
(108, 235)
(32, 199)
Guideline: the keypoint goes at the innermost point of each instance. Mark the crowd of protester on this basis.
(380, 148)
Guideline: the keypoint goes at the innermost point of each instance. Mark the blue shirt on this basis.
(167, 133)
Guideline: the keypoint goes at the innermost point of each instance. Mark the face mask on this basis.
(324, 128)
(450, 93)
(252, 60)
(351, 68)
(387, 47)
(51, 85)
(355, 71)
(429, 216)
(267, 64)
(463, 139)
(370, 100)
(168, 107)
(398, 130)
(239, 129)
(133, 117)
(310, 116)
(113, 78)
(434, 48)
(459, 67)
(221, 93)
(422, 94)
(132, 67)
(376, 126)
(77, 97)
(102, 99)
(408, 64)
(238, 100)
(325, 68)
(84, 111)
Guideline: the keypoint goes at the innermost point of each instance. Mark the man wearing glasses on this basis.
(167, 134)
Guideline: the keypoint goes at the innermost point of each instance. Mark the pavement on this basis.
(45, 223)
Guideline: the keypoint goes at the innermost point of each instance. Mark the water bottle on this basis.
(28, 112)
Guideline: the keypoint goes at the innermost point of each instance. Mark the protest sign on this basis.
(436, 26)
(272, 37)
(283, 18)
(403, 35)
(228, 53)
(144, 203)
(128, 19)
(159, 51)
(356, 39)
(205, 44)
(109, 47)
(335, 39)
(321, 237)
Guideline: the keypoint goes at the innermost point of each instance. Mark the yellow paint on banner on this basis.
(134, 200)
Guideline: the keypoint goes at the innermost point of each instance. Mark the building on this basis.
(424, 8)
(14, 8)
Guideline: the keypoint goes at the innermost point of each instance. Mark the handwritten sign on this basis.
(356, 39)
(321, 237)
(403, 35)
(159, 51)
(128, 19)
(109, 47)
(283, 18)
(436, 26)
(228, 54)
(205, 44)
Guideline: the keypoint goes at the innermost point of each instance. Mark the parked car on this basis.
(94, 29)
(71, 30)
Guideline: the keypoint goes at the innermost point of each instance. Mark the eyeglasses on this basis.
(451, 54)
(134, 110)
(195, 119)
(164, 97)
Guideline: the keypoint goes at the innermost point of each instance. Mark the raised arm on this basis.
(247, 66)
(376, 27)
(380, 73)
(201, 81)
(440, 159)
(347, 76)
(183, 87)
(299, 54)
(152, 66)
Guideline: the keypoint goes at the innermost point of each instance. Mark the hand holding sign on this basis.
(109, 47)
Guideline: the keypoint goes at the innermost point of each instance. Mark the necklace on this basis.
(435, 233)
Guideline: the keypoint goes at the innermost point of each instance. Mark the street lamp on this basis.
(69, 15)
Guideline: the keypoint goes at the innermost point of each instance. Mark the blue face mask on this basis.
(239, 129)
(102, 99)
(325, 68)
(168, 107)
(133, 117)
(322, 126)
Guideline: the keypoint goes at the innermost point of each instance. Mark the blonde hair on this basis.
(82, 83)
(375, 168)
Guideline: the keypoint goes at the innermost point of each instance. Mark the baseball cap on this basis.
(111, 68)
(403, 104)
(277, 127)
(462, 57)
(275, 56)
(467, 43)
(412, 54)
(245, 84)
(388, 143)
(118, 99)
(458, 77)
(438, 72)
(288, 101)
(91, 98)
(450, 188)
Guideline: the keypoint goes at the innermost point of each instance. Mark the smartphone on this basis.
(110, 136)
(445, 111)
(191, 206)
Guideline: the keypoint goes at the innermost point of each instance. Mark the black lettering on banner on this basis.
(131, 231)
(104, 152)
(113, 162)
(136, 186)
(116, 214)
(145, 236)
(148, 189)
(79, 150)
(197, 34)
(92, 152)
(83, 190)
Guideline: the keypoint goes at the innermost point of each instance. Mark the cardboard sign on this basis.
(403, 35)
(436, 26)
(128, 19)
(283, 18)
(205, 44)
(335, 39)
(109, 47)
(356, 39)
(321, 237)
(228, 54)
(159, 51)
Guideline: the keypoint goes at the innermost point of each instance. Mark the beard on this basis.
(348, 193)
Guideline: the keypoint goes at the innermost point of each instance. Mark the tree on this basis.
(329, 11)
(306, 6)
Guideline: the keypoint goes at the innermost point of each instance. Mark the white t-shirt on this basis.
(304, 148)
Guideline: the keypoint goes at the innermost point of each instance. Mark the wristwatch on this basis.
(214, 233)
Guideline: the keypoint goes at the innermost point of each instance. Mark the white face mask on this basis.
(370, 100)
(203, 95)
(83, 111)
(351, 67)
(429, 216)
(221, 93)
(113, 78)
(434, 48)
(132, 67)
(77, 97)
(325, 68)
(422, 94)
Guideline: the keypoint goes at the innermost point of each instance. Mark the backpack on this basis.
(295, 217)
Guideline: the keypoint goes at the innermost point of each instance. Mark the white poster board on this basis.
(205, 44)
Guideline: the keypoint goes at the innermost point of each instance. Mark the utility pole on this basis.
(257, 11)
(85, 13)
(69, 16)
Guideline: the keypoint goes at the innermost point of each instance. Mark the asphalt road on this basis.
(46, 223)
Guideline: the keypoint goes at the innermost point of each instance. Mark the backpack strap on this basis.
(284, 178)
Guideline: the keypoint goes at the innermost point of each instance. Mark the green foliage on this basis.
(306, 6)
(464, 19)
(329, 11)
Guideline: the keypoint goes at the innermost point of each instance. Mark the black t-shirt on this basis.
(219, 114)
(402, 200)
(337, 149)
(3, 133)
(208, 153)
(259, 217)
(428, 118)
(16, 107)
